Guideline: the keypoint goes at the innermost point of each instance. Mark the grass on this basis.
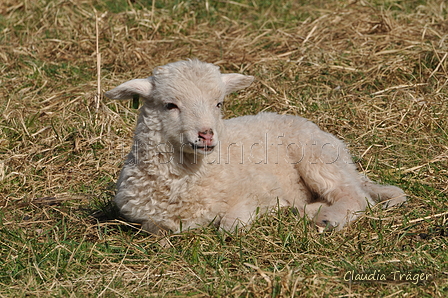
(372, 72)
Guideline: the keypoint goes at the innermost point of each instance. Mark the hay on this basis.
(373, 74)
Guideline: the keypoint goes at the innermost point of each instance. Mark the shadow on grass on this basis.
(103, 210)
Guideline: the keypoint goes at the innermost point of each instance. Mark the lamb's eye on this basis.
(219, 105)
(171, 106)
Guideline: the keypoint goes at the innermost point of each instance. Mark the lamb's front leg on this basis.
(238, 215)
(247, 209)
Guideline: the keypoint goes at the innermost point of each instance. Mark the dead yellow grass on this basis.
(374, 74)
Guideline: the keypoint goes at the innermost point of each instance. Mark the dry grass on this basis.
(372, 72)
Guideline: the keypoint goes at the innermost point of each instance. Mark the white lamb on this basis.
(189, 168)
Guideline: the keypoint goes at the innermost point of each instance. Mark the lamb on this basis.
(188, 167)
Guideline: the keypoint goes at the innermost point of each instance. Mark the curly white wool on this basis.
(188, 167)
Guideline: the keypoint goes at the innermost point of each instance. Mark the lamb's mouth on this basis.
(202, 148)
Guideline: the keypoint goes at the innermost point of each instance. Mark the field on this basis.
(374, 73)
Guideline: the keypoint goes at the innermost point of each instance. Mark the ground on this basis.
(372, 72)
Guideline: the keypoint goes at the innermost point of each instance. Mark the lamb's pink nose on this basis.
(206, 136)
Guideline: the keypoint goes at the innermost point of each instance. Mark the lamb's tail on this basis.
(388, 195)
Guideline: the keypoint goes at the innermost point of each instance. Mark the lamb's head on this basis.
(187, 96)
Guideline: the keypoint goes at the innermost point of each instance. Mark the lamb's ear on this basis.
(236, 81)
(141, 87)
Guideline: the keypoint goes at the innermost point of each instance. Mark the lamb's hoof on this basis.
(326, 226)
(395, 201)
(391, 196)
(330, 218)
